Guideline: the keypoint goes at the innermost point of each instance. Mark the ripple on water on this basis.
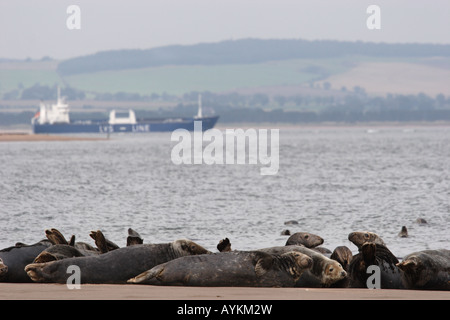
(332, 181)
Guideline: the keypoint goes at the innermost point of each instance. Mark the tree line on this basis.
(257, 108)
(242, 51)
(356, 99)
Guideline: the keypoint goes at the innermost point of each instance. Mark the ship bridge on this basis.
(114, 119)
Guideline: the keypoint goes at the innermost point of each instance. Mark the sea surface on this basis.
(331, 180)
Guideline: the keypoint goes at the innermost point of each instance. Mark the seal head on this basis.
(358, 238)
(306, 239)
(343, 255)
(403, 233)
(185, 247)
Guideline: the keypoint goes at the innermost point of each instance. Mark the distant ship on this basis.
(55, 119)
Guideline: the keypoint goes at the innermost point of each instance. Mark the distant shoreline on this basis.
(308, 125)
(11, 135)
(18, 136)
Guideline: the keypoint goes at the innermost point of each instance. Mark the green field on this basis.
(180, 79)
(177, 80)
(11, 79)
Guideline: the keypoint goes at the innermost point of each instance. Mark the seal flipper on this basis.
(44, 257)
(42, 272)
(263, 263)
(224, 245)
(100, 241)
(134, 238)
(55, 236)
(72, 241)
(407, 265)
(368, 251)
(145, 277)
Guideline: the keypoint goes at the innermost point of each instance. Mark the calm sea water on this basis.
(331, 180)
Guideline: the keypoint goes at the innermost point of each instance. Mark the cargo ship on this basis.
(54, 119)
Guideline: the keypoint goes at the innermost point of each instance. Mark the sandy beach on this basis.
(40, 291)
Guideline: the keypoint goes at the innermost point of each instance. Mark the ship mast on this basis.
(199, 113)
(58, 101)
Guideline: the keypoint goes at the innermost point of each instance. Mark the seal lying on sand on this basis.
(358, 238)
(427, 269)
(379, 255)
(229, 269)
(116, 266)
(323, 272)
(15, 259)
(306, 239)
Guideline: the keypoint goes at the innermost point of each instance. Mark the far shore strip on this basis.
(12, 137)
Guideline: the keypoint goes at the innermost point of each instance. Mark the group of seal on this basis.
(426, 269)
(116, 266)
(14, 259)
(301, 262)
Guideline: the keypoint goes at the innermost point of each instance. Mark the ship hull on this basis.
(139, 127)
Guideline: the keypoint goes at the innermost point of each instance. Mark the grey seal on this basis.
(427, 269)
(15, 258)
(324, 271)
(116, 266)
(421, 221)
(230, 269)
(372, 253)
(403, 233)
(306, 239)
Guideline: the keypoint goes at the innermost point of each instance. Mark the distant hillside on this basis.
(288, 68)
(246, 51)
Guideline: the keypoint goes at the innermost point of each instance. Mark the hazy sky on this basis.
(30, 28)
